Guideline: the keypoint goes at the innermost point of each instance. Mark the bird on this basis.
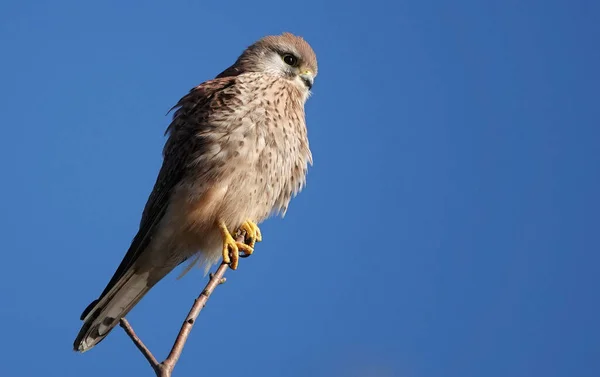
(236, 153)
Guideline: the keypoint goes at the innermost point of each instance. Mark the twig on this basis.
(165, 369)
(186, 327)
(140, 345)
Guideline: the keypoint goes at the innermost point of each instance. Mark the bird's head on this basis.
(286, 55)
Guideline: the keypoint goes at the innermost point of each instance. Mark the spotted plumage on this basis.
(237, 152)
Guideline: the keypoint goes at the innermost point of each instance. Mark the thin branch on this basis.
(139, 344)
(165, 368)
(187, 325)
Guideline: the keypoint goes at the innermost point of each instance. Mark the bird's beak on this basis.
(308, 78)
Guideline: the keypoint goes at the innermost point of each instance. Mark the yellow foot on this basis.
(253, 234)
(232, 248)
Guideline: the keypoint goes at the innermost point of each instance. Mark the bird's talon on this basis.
(253, 234)
(230, 249)
(234, 250)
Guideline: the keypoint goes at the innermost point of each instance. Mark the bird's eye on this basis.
(290, 60)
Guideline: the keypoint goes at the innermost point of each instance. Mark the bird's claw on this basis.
(253, 234)
(232, 248)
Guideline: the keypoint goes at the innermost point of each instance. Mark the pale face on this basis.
(287, 63)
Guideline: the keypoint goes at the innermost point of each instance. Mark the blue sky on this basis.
(450, 222)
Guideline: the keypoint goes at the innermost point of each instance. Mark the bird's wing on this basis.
(189, 119)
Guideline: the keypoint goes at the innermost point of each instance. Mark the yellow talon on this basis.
(253, 234)
(231, 248)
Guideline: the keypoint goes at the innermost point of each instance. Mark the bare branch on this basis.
(186, 327)
(165, 369)
(139, 344)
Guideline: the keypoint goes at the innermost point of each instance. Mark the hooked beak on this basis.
(308, 79)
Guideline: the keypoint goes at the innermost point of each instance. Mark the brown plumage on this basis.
(237, 152)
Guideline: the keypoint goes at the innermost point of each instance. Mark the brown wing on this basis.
(189, 119)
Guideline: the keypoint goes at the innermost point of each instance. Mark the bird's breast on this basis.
(268, 148)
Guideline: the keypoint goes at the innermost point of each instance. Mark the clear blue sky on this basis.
(450, 226)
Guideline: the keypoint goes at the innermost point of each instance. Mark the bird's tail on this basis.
(102, 315)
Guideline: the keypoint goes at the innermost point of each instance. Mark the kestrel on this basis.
(237, 152)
